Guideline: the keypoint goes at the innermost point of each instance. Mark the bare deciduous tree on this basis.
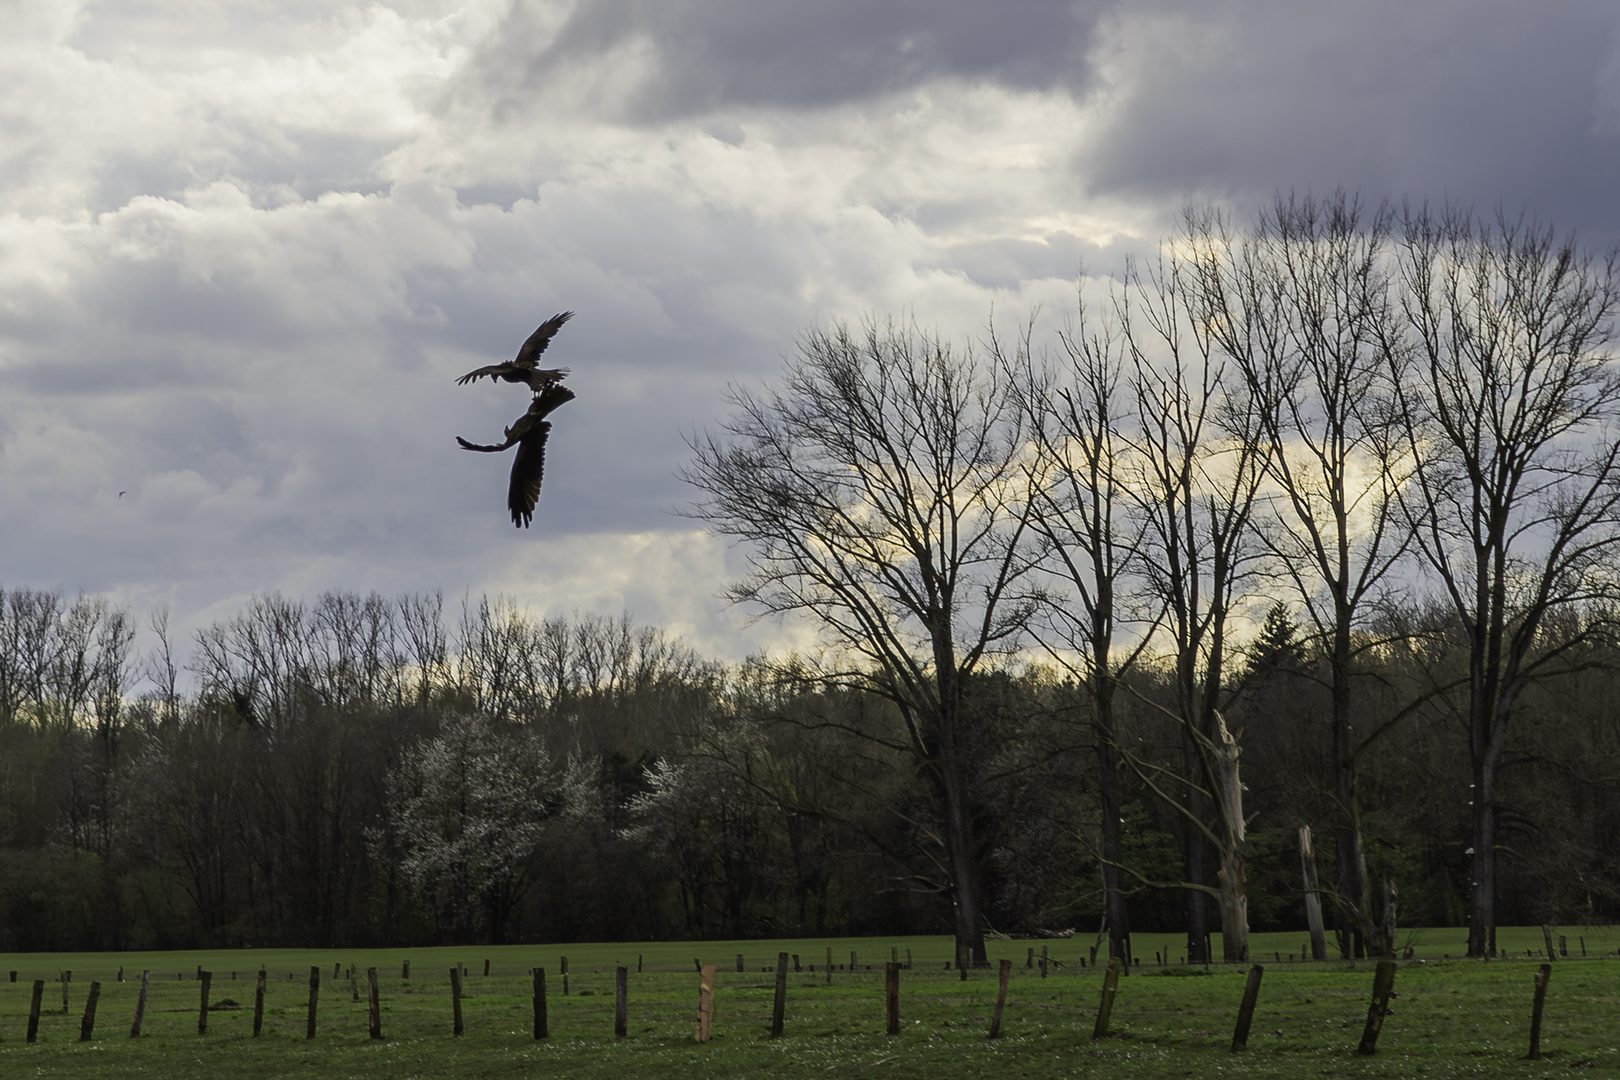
(880, 491)
(1305, 306)
(1516, 491)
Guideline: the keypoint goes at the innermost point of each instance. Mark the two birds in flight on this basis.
(529, 431)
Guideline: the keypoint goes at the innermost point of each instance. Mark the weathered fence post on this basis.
(1547, 936)
(1251, 994)
(258, 1003)
(739, 961)
(621, 1001)
(88, 1024)
(455, 1000)
(829, 966)
(705, 1016)
(891, 997)
(405, 970)
(1543, 974)
(67, 977)
(314, 999)
(1001, 1000)
(354, 985)
(542, 1028)
(779, 1006)
(563, 971)
(140, 1005)
(1105, 1007)
(486, 967)
(374, 1003)
(1043, 961)
(33, 1009)
(206, 980)
(1383, 983)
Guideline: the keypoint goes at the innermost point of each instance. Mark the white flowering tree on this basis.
(466, 809)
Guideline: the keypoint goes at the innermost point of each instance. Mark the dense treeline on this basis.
(366, 770)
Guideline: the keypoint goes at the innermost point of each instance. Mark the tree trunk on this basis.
(1313, 894)
(1234, 899)
(1482, 864)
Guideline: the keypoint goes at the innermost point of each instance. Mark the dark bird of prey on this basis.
(528, 432)
(522, 368)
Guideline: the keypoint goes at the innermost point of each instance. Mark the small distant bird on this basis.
(523, 368)
(528, 432)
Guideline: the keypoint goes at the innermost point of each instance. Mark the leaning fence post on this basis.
(140, 1005)
(206, 979)
(541, 1027)
(88, 1024)
(258, 1003)
(705, 1017)
(1001, 1000)
(1251, 994)
(1105, 1007)
(455, 1000)
(779, 1006)
(621, 1001)
(1383, 983)
(314, 999)
(33, 1009)
(1543, 974)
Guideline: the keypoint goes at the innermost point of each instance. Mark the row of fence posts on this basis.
(1383, 989)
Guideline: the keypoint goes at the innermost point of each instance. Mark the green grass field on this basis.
(1451, 1018)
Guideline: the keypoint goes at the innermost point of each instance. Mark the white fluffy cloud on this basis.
(246, 247)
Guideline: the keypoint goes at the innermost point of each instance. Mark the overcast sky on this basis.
(246, 247)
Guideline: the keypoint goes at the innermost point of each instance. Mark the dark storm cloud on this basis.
(713, 54)
(1478, 103)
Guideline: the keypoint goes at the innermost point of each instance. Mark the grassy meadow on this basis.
(1451, 1018)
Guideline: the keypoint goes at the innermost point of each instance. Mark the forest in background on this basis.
(370, 770)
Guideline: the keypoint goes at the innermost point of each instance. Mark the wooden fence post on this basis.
(374, 1003)
(1001, 1000)
(33, 1009)
(1543, 974)
(258, 1003)
(621, 1001)
(206, 980)
(1251, 994)
(314, 999)
(455, 1000)
(739, 961)
(67, 977)
(891, 997)
(779, 1007)
(486, 967)
(1383, 984)
(705, 1016)
(1105, 1007)
(140, 1005)
(405, 970)
(829, 966)
(1043, 961)
(542, 1029)
(88, 1024)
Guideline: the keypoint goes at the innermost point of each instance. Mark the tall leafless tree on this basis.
(1079, 418)
(1196, 465)
(880, 489)
(1516, 490)
(1304, 305)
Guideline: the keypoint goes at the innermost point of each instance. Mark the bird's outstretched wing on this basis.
(483, 448)
(527, 471)
(529, 354)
